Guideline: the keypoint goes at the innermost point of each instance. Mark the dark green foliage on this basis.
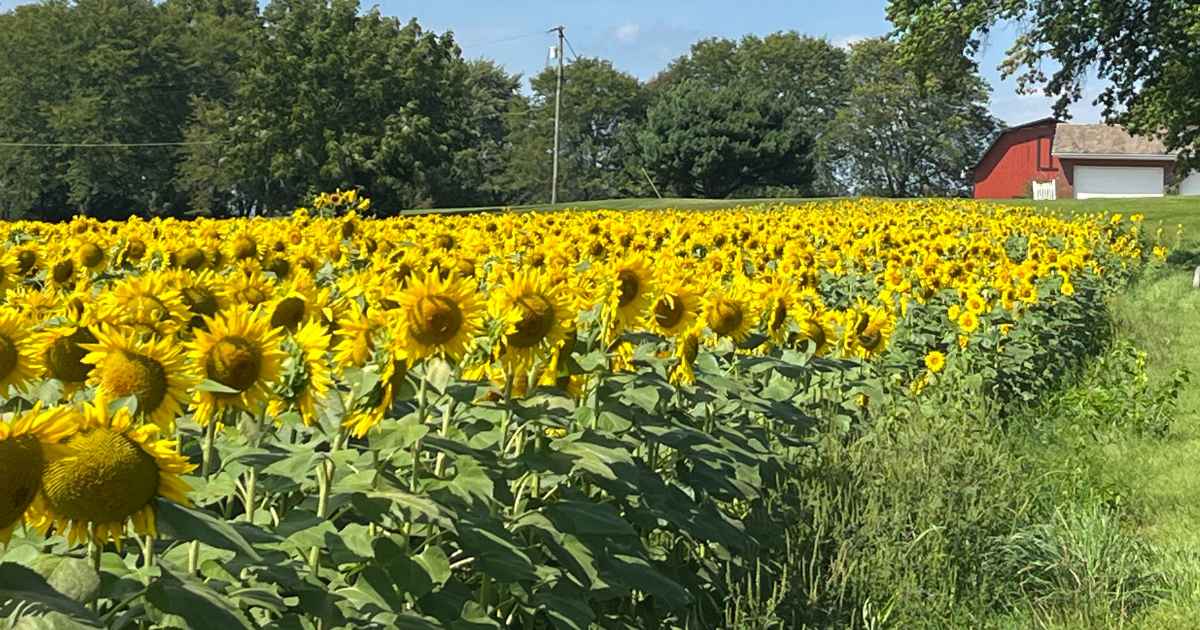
(898, 137)
(1144, 52)
(601, 108)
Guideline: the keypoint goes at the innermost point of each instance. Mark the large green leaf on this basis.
(583, 518)
(20, 584)
(633, 572)
(201, 607)
(496, 553)
(73, 577)
(182, 523)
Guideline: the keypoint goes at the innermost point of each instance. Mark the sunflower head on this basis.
(26, 444)
(439, 316)
(109, 474)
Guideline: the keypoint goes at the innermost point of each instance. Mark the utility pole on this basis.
(558, 52)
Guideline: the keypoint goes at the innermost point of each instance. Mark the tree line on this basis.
(256, 109)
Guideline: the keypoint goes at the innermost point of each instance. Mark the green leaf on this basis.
(436, 564)
(593, 457)
(202, 607)
(209, 385)
(73, 577)
(182, 523)
(635, 573)
(496, 554)
(582, 518)
(405, 572)
(19, 584)
(566, 608)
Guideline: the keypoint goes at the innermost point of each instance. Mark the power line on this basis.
(501, 40)
(576, 55)
(103, 145)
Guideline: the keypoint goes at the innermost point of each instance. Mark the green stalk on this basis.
(324, 481)
(206, 457)
(440, 465)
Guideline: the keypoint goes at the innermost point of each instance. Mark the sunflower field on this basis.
(536, 420)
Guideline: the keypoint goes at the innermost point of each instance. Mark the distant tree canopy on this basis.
(258, 109)
(898, 137)
(1146, 51)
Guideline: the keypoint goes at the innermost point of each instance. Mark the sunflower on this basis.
(687, 348)
(240, 353)
(58, 353)
(355, 332)
(199, 293)
(729, 312)
(153, 371)
(311, 379)
(675, 309)
(866, 330)
(107, 475)
(26, 443)
(935, 361)
(630, 291)
(437, 317)
(815, 327)
(16, 349)
(247, 285)
(369, 412)
(534, 317)
(147, 303)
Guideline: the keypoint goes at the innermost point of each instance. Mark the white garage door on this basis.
(1118, 181)
(1190, 185)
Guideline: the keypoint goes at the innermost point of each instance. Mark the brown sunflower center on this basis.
(288, 313)
(135, 249)
(126, 373)
(191, 258)
(691, 348)
(147, 309)
(234, 362)
(62, 271)
(21, 464)
(26, 260)
(64, 357)
(725, 317)
(200, 301)
(668, 311)
(90, 255)
(778, 315)
(252, 296)
(109, 479)
(630, 287)
(8, 356)
(244, 247)
(436, 320)
(537, 318)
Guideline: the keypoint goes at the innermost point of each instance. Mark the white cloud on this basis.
(628, 33)
(847, 41)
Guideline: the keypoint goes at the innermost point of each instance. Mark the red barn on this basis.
(1049, 159)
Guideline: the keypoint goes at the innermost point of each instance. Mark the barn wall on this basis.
(1019, 157)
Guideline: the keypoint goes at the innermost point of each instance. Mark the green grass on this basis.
(1163, 318)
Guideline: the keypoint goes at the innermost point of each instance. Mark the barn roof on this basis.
(1104, 141)
(1006, 131)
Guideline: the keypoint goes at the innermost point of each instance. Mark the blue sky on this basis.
(641, 37)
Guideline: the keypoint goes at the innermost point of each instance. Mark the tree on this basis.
(601, 107)
(330, 97)
(806, 73)
(1145, 50)
(479, 167)
(897, 137)
(706, 141)
(89, 72)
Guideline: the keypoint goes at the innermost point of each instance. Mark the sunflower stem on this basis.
(324, 479)
(206, 456)
(440, 465)
(508, 387)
